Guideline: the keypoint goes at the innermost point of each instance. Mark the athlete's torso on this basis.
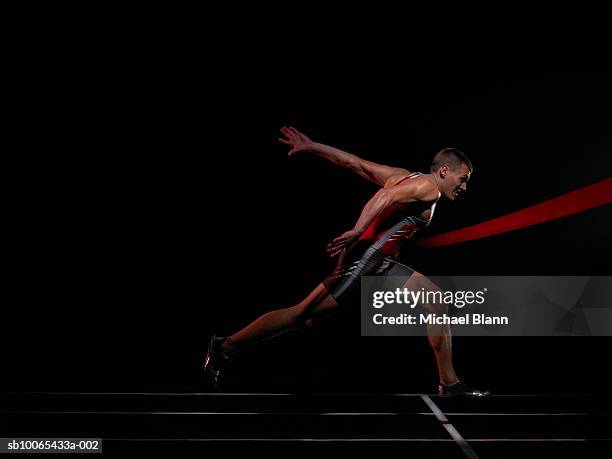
(397, 224)
(376, 252)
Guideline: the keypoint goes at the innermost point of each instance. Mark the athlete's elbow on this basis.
(387, 198)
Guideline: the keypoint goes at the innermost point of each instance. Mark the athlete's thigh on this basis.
(418, 281)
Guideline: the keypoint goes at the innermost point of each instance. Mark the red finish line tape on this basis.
(590, 196)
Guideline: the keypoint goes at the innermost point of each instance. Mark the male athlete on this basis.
(403, 205)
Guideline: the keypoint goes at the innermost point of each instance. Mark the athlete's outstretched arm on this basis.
(419, 189)
(377, 173)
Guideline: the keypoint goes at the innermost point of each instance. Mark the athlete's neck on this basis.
(435, 180)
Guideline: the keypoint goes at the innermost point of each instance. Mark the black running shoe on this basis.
(215, 361)
(460, 388)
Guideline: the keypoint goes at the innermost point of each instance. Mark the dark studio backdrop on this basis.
(145, 215)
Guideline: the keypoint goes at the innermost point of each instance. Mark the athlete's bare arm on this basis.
(417, 189)
(377, 173)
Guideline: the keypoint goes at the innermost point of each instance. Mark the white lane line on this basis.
(454, 433)
(434, 440)
(213, 413)
(184, 394)
(290, 413)
(536, 440)
(322, 440)
(287, 413)
(222, 394)
(529, 414)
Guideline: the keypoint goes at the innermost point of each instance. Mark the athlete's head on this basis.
(452, 169)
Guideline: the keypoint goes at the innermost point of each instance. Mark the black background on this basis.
(144, 212)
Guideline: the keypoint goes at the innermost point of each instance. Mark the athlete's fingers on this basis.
(332, 243)
(292, 152)
(298, 134)
(337, 245)
(342, 243)
(338, 239)
(332, 248)
(285, 141)
(288, 133)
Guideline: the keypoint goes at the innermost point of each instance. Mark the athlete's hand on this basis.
(336, 246)
(296, 140)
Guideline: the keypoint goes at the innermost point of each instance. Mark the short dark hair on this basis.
(451, 156)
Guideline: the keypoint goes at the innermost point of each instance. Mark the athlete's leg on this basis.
(439, 335)
(315, 306)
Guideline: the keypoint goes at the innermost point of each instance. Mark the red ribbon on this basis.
(589, 197)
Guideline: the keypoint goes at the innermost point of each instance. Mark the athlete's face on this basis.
(454, 182)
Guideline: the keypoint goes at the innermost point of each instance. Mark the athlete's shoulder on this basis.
(426, 188)
(414, 188)
(399, 178)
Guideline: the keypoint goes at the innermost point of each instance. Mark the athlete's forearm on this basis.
(381, 201)
(335, 155)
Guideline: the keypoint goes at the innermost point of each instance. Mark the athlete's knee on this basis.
(313, 308)
(300, 316)
(305, 322)
(437, 308)
(432, 299)
(434, 304)
(302, 321)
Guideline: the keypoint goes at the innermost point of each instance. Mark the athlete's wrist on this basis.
(315, 147)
